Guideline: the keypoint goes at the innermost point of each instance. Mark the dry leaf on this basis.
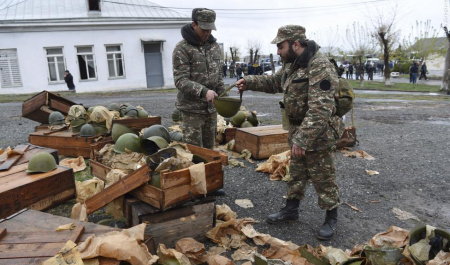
(244, 203)
(403, 215)
(353, 207)
(70, 226)
(357, 154)
(372, 172)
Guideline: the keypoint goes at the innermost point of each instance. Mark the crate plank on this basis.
(39, 107)
(262, 141)
(140, 123)
(37, 261)
(125, 185)
(19, 189)
(20, 149)
(53, 200)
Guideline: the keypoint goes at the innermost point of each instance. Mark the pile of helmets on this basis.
(128, 110)
(76, 117)
(41, 163)
(56, 118)
(244, 121)
(154, 138)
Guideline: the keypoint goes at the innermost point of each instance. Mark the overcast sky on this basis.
(239, 22)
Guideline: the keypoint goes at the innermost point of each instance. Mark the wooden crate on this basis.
(39, 107)
(31, 238)
(139, 123)
(167, 227)
(175, 185)
(262, 141)
(18, 189)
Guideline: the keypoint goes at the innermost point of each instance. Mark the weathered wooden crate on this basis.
(19, 190)
(139, 123)
(262, 141)
(39, 107)
(175, 185)
(167, 227)
(29, 237)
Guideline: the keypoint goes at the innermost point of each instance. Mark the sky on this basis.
(242, 22)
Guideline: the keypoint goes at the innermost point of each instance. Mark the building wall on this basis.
(34, 68)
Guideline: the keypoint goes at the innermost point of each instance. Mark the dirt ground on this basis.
(409, 140)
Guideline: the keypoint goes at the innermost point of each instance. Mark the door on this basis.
(153, 64)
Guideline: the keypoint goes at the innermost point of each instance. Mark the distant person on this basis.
(423, 71)
(224, 70)
(370, 70)
(413, 73)
(357, 71)
(346, 70)
(341, 70)
(350, 70)
(239, 72)
(231, 70)
(69, 80)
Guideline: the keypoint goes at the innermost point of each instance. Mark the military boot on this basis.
(328, 228)
(286, 214)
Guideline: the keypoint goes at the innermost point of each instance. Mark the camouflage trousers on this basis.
(317, 167)
(199, 129)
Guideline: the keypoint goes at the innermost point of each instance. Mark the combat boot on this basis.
(328, 228)
(286, 214)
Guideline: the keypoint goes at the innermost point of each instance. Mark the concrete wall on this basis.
(33, 64)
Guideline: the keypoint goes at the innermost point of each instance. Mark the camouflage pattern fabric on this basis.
(197, 68)
(206, 18)
(199, 129)
(317, 167)
(290, 32)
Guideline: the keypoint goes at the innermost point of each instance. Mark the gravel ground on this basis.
(409, 140)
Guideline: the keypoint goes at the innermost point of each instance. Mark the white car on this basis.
(278, 67)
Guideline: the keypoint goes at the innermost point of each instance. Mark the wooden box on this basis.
(29, 237)
(39, 107)
(262, 141)
(139, 123)
(175, 185)
(167, 227)
(18, 189)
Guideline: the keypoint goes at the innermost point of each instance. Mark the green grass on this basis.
(405, 97)
(407, 87)
(65, 94)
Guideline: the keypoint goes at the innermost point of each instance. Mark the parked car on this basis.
(277, 67)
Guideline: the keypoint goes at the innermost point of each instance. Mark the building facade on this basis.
(106, 45)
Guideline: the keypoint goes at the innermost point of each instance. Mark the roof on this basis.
(63, 10)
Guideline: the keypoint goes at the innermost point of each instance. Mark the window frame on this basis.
(14, 56)
(114, 61)
(84, 55)
(55, 61)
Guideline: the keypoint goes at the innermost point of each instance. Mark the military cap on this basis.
(290, 32)
(204, 17)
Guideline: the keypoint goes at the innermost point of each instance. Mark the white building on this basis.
(105, 44)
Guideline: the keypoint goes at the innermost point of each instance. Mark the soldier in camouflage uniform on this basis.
(197, 71)
(308, 81)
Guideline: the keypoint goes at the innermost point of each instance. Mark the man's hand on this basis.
(210, 95)
(241, 85)
(297, 151)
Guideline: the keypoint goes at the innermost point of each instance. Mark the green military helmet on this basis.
(131, 111)
(418, 233)
(152, 144)
(90, 110)
(56, 118)
(128, 141)
(142, 113)
(41, 162)
(238, 119)
(100, 128)
(87, 130)
(253, 119)
(171, 261)
(176, 115)
(123, 108)
(114, 106)
(119, 129)
(77, 123)
(156, 130)
(246, 124)
(176, 136)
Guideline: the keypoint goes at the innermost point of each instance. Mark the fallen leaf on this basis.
(357, 154)
(375, 201)
(353, 207)
(372, 172)
(244, 203)
(403, 215)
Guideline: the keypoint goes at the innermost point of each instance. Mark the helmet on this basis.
(152, 144)
(128, 141)
(119, 129)
(226, 106)
(87, 130)
(100, 128)
(131, 111)
(114, 106)
(56, 118)
(122, 108)
(76, 123)
(142, 113)
(253, 119)
(238, 119)
(41, 162)
(90, 110)
(246, 124)
(156, 130)
(418, 233)
(176, 115)
(155, 159)
(176, 136)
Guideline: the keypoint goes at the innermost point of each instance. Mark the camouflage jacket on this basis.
(308, 99)
(197, 68)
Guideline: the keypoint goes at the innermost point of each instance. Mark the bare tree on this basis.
(328, 41)
(445, 77)
(387, 36)
(421, 42)
(253, 46)
(360, 43)
(234, 51)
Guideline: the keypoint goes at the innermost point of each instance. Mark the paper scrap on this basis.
(403, 215)
(372, 172)
(70, 226)
(244, 203)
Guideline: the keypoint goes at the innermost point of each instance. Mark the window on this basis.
(56, 65)
(9, 68)
(86, 63)
(94, 5)
(114, 57)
